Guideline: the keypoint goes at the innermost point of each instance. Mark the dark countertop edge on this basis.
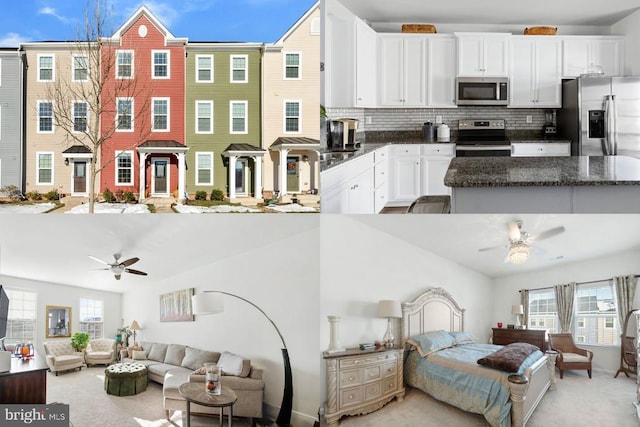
(594, 183)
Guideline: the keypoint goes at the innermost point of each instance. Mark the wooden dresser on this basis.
(362, 381)
(502, 336)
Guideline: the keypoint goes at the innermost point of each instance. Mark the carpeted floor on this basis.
(90, 406)
(578, 401)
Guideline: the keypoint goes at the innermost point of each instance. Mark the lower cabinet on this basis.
(348, 188)
(540, 149)
(359, 382)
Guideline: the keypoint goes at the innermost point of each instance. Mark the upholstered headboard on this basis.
(433, 310)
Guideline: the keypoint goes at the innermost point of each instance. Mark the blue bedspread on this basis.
(452, 375)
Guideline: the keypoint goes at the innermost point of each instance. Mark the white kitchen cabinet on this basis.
(348, 188)
(340, 61)
(535, 72)
(482, 54)
(435, 163)
(441, 71)
(405, 172)
(366, 64)
(402, 70)
(380, 178)
(540, 149)
(581, 53)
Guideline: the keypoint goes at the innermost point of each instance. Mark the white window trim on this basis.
(210, 117)
(132, 115)
(92, 321)
(153, 68)
(246, 118)
(73, 68)
(210, 154)
(284, 65)
(133, 62)
(153, 113)
(284, 116)
(246, 68)
(53, 125)
(77, 101)
(38, 153)
(198, 69)
(124, 184)
(53, 67)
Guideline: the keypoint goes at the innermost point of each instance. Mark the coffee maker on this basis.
(342, 135)
(549, 130)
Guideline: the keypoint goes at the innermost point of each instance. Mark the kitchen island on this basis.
(577, 184)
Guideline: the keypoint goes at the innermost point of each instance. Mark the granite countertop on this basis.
(542, 171)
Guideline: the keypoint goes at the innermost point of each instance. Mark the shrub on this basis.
(119, 195)
(201, 195)
(52, 195)
(12, 192)
(129, 197)
(108, 196)
(217, 195)
(34, 195)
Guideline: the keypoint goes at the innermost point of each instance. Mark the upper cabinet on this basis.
(402, 70)
(482, 54)
(441, 71)
(366, 64)
(582, 53)
(535, 72)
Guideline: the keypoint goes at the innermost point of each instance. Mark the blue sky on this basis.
(198, 20)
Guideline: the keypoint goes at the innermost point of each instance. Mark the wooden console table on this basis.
(26, 382)
(502, 336)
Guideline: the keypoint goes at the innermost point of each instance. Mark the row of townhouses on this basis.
(177, 116)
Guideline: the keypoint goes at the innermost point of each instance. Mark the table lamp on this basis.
(518, 310)
(389, 309)
(134, 327)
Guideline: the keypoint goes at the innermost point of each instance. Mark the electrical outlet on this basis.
(368, 120)
(438, 119)
(529, 118)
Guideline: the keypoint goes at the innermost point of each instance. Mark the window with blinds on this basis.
(543, 311)
(21, 325)
(91, 317)
(596, 315)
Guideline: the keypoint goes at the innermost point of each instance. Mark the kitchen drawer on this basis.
(541, 149)
(372, 373)
(381, 173)
(389, 385)
(350, 378)
(351, 397)
(389, 369)
(345, 171)
(439, 150)
(381, 197)
(372, 391)
(381, 154)
(406, 150)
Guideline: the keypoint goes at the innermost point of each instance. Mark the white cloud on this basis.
(12, 39)
(52, 12)
(164, 11)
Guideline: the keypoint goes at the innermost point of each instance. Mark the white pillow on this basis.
(139, 355)
(230, 364)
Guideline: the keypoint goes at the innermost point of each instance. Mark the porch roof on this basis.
(243, 150)
(77, 151)
(163, 146)
(295, 143)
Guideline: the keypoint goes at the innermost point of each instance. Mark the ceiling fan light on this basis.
(518, 253)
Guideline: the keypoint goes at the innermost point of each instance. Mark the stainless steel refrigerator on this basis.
(601, 115)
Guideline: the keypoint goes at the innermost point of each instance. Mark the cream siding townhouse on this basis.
(291, 108)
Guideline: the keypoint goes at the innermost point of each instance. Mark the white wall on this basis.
(506, 293)
(281, 278)
(630, 27)
(360, 265)
(69, 296)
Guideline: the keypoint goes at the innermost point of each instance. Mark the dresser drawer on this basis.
(350, 378)
(389, 385)
(372, 391)
(372, 373)
(351, 397)
(389, 369)
(352, 362)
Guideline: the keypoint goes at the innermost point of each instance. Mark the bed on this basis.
(451, 374)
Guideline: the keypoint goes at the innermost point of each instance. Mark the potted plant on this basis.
(80, 341)
(123, 333)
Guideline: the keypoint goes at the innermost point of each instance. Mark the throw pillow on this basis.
(463, 337)
(175, 354)
(230, 364)
(139, 355)
(431, 342)
(157, 352)
(195, 358)
(199, 371)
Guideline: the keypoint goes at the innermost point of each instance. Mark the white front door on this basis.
(160, 177)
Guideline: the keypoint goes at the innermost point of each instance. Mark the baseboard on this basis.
(298, 419)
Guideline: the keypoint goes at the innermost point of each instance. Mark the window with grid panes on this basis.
(80, 116)
(204, 116)
(45, 116)
(124, 168)
(239, 69)
(204, 68)
(45, 168)
(292, 66)
(91, 317)
(124, 119)
(543, 311)
(596, 307)
(124, 64)
(80, 68)
(292, 116)
(160, 64)
(160, 112)
(21, 322)
(238, 117)
(45, 68)
(204, 172)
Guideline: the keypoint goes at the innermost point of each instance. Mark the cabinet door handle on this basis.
(372, 374)
(351, 396)
(352, 378)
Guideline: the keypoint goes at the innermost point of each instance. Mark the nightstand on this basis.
(362, 381)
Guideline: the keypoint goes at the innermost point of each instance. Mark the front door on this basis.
(160, 180)
(242, 176)
(80, 177)
(293, 174)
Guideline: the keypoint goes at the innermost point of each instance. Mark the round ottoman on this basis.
(125, 379)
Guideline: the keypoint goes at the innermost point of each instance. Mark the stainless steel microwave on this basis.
(482, 91)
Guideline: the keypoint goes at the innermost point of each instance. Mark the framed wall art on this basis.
(176, 306)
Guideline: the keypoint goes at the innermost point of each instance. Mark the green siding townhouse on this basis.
(223, 89)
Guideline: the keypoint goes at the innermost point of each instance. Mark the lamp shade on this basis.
(517, 309)
(135, 326)
(207, 303)
(389, 308)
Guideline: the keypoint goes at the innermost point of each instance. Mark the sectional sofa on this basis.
(175, 364)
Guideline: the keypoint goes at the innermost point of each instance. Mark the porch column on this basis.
(258, 177)
(315, 170)
(181, 177)
(232, 177)
(142, 168)
(282, 175)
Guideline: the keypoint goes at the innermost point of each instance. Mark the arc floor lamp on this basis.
(211, 302)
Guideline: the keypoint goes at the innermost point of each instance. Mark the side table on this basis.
(195, 392)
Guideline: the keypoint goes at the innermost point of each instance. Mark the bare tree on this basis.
(85, 107)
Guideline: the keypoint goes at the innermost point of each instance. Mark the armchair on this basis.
(569, 356)
(62, 357)
(100, 351)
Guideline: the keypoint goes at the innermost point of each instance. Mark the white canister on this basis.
(444, 133)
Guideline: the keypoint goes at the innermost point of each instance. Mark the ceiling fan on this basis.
(118, 267)
(520, 241)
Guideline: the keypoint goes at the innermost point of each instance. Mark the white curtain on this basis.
(565, 295)
(625, 292)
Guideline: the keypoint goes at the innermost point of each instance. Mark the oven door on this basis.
(483, 150)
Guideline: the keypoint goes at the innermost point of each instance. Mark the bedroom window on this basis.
(91, 317)
(596, 307)
(543, 312)
(21, 322)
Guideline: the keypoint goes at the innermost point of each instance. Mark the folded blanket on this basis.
(509, 358)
